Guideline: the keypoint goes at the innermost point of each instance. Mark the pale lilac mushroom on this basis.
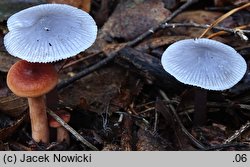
(204, 63)
(49, 32)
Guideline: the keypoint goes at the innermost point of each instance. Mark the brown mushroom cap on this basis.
(64, 115)
(27, 79)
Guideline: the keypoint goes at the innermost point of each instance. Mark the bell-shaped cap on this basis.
(27, 79)
(49, 32)
(205, 63)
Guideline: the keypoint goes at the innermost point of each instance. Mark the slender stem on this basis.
(38, 117)
(200, 107)
(196, 142)
(71, 130)
(62, 135)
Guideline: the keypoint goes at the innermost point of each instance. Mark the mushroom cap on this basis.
(27, 79)
(64, 115)
(49, 32)
(205, 63)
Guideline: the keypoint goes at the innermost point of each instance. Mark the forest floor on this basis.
(118, 94)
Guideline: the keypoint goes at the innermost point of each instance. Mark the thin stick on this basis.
(223, 17)
(238, 132)
(169, 18)
(112, 55)
(224, 146)
(225, 32)
(196, 25)
(191, 137)
(71, 130)
(80, 60)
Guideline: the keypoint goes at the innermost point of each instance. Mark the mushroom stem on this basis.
(200, 107)
(39, 120)
(62, 135)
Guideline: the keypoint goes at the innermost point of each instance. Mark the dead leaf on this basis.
(82, 4)
(132, 18)
(154, 43)
(110, 88)
(200, 17)
(6, 61)
(212, 135)
(12, 105)
(221, 3)
(10, 129)
(148, 142)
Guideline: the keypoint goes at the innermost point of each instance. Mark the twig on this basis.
(169, 18)
(224, 16)
(112, 55)
(71, 130)
(223, 146)
(79, 60)
(194, 140)
(237, 30)
(196, 25)
(238, 132)
(126, 136)
(155, 122)
(146, 122)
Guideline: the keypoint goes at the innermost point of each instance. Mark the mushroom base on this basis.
(39, 120)
(62, 135)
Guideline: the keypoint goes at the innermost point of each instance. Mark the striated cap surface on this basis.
(205, 63)
(49, 32)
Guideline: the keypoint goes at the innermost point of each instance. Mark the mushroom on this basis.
(62, 133)
(204, 63)
(34, 80)
(43, 34)
(49, 32)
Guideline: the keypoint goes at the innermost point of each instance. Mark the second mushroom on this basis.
(206, 64)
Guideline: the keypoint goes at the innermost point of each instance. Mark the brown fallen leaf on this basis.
(13, 105)
(132, 18)
(10, 104)
(221, 3)
(5, 132)
(154, 43)
(200, 17)
(82, 4)
(6, 61)
(110, 88)
(148, 142)
(211, 135)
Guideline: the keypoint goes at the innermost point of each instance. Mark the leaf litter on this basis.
(118, 106)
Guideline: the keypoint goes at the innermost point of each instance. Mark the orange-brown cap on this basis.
(64, 115)
(27, 79)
